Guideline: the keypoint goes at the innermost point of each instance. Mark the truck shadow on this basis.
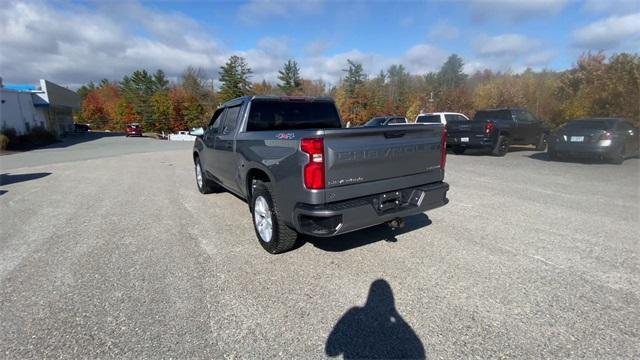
(375, 330)
(366, 236)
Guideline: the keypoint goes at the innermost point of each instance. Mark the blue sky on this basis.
(86, 41)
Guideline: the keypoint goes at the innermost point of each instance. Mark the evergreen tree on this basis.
(355, 77)
(450, 75)
(234, 76)
(84, 90)
(160, 82)
(290, 77)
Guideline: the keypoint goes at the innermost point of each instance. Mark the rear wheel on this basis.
(501, 148)
(459, 150)
(542, 143)
(618, 157)
(273, 235)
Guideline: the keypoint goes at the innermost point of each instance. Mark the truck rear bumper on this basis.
(350, 215)
(469, 140)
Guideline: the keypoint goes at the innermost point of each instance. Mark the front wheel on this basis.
(273, 235)
(205, 186)
(501, 147)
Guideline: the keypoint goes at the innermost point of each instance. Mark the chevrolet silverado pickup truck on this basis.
(300, 171)
(496, 130)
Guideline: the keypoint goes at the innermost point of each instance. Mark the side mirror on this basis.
(197, 131)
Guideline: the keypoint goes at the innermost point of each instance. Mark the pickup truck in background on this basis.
(496, 130)
(386, 120)
(301, 172)
(439, 118)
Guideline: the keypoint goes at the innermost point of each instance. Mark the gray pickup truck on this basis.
(300, 171)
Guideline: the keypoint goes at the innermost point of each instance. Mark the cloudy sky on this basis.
(72, 43)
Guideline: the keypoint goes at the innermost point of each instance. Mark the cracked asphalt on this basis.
(107, 250)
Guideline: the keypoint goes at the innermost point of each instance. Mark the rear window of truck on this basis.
(493, 115)
(428, 119)
(265, 115)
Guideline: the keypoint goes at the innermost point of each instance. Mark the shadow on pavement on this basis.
(6, 179)
(375, 331)
(65, 141)
(77, 138)
(487, 152)
(576, 160)
(366, 236)
(2, 192)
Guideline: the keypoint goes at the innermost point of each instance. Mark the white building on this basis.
(50, 107)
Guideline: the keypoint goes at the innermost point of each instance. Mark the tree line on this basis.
(596, 85)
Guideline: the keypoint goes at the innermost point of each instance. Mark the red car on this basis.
(134, 130)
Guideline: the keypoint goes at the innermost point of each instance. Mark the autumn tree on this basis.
(289, 76)
(234, 76)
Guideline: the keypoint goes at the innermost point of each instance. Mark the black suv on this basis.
(496, 130)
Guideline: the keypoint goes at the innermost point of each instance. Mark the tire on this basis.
(459, 150)
(501, 148)
(553, 156)
(618, 157)
(265, 217)
(205, 186)
(542, 143)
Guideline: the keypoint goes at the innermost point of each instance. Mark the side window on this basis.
(396, 121)
(450, 117)
(231, 120)
(521, 117)
(216, 120)
(624, 126)
(461, 118)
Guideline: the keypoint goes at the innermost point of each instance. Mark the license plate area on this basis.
(397, 200)
(577, 139)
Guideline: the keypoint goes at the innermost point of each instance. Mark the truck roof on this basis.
(276, 97)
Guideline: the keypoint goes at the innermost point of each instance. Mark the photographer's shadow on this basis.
(375, 331)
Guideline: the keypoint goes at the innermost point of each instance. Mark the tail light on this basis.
(443, 149)
(488, 127)
(314, 170)
(606, 136)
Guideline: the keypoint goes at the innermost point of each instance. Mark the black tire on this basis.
(618, 157)
(542, 143)
(205, 186)
(501, 148)
(283, 238)
(459, 150)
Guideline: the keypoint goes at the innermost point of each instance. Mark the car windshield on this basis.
(428, 119)
(375, 122)
(493, 115)
(290, 115)
(596, 124)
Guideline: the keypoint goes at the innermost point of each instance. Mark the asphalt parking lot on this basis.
(108, 250)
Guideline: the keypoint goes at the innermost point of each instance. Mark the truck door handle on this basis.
(394, 134)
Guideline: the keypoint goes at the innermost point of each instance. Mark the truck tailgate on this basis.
(362, 161)
(458, 128)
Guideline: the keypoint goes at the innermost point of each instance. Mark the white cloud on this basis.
(514, 9)
(444, 30)
(608, 33)
(318, 47)
(73, 45)
(506, 45)
(611, 6)
(423, 58)
(257, 11)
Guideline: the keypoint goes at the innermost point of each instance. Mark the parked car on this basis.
(496, 130)
(301, 172)
(182, 136)
(612, 139)
(440, 118)
(134, 129)
(81, 128)
(386, 120)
